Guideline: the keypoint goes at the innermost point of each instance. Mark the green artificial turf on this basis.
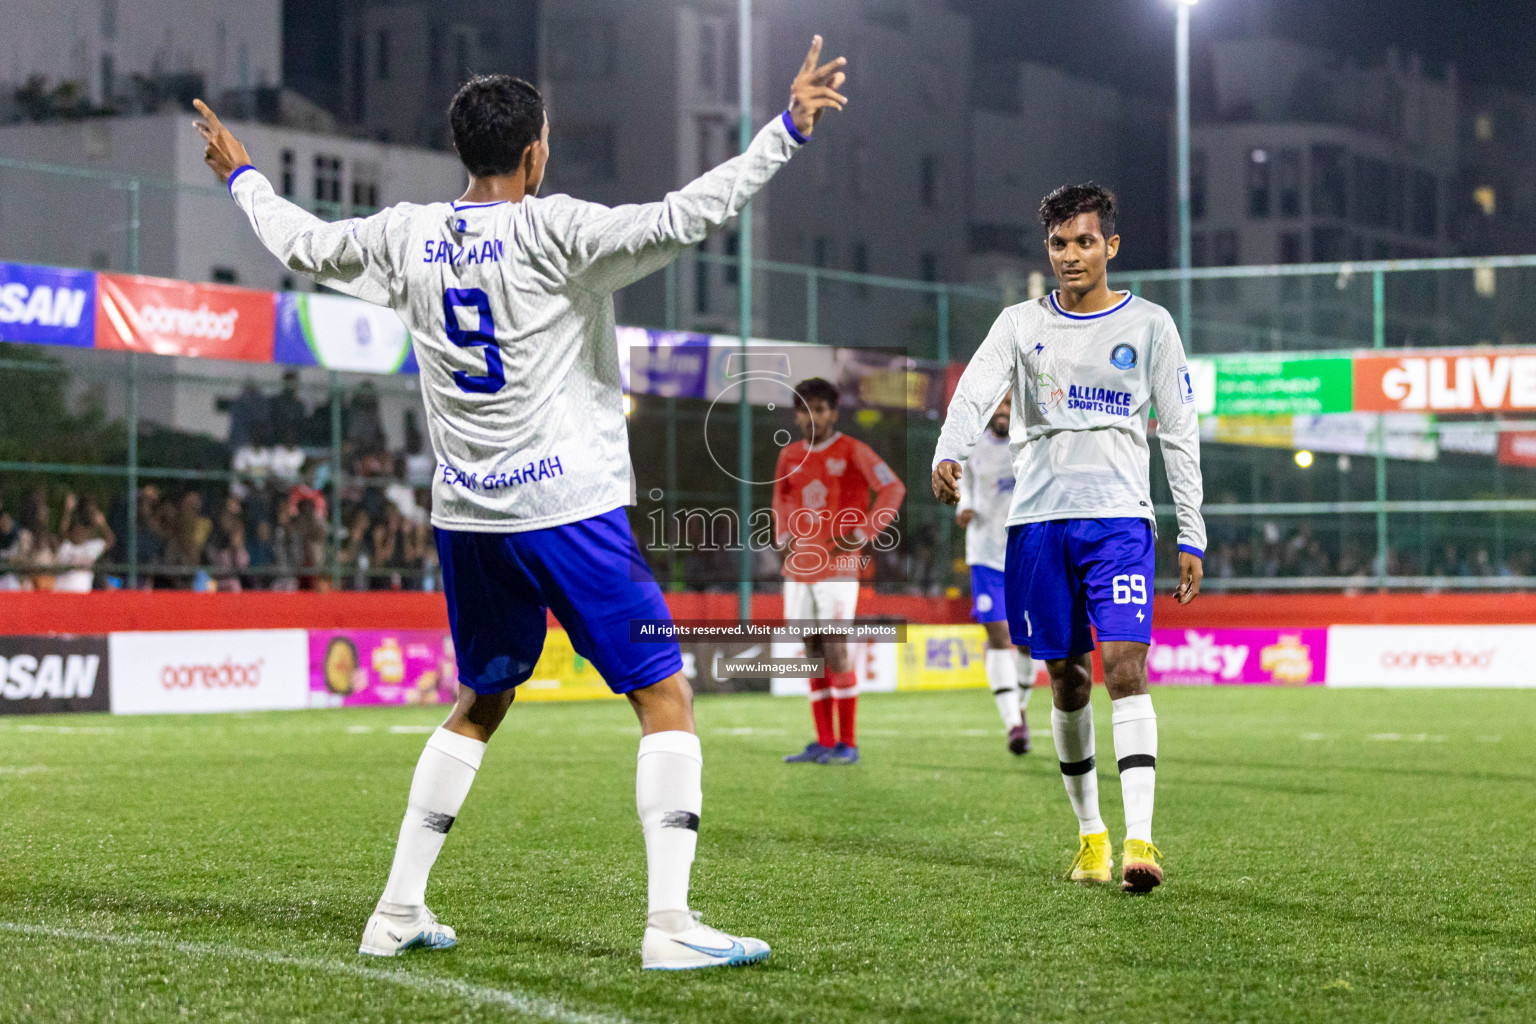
(1331, 856)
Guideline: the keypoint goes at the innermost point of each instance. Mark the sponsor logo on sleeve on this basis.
(1186, 386)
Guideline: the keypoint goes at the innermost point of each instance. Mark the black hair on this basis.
(494, 119)
(818, 387)
(1070, 200)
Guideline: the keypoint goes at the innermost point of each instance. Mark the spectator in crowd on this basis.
(248, 414)
(365, 426)
(286, 411)
(86, 537)
(187, 536)
(15, 553)
(420, 463)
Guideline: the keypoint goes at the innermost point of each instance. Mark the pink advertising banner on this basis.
(1228, 657)
(349, 667)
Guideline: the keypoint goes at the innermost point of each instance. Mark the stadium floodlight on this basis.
(1304, 459)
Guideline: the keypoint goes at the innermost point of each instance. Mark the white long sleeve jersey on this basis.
(986, 490)
(510, 308)
(1083, 386)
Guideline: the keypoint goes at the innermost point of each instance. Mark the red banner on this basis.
(1517, 448)
(174, 318)
(1461, 381)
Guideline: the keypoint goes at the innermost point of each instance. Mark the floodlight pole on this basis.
(744, 290)
(1186, 298)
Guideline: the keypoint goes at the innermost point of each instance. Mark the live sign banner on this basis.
(1452, 381)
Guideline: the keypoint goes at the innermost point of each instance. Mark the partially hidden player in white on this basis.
(508, 298)
(1085, 366)
(986, 496)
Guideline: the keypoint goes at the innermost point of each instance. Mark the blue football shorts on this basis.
(501, 586)
(1066, 574)
(987, 604)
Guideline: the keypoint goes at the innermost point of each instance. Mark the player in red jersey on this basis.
(822, 521)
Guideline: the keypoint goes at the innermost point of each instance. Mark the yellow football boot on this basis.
(1094, 864)
(1139, 867)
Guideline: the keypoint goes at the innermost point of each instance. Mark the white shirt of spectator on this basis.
(78, 580)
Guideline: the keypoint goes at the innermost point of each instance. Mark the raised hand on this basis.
(224, 153)
(815, 89)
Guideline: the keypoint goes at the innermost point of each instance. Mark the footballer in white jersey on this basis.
(509, 300)
(1086, 366)
(986, 494)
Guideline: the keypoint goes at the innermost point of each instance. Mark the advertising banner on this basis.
(672, 364)
(1432, 656)
(42, 675)
(1269, 386)
(174, 318)
(1517, 448)
(1453, 381)
(47, 305)
(351, 667)
(195, 671)
(339, 333)
(562, 674)
(1231, 657)
(1409, 435)
(947, 657)
(704, 665)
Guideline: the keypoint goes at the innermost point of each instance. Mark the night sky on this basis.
(1129, 43)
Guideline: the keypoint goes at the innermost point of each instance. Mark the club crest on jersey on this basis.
(1123, 357)
(835, 467)
(1052, 391)
(813, 495)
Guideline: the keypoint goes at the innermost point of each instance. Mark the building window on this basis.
(1425, 197)
(1330, 245)
(223, 275)
(709, 58)
(381, 55)
(1224, 248)
(1290, 247)
(109, 19)
(1197, 184)
(327, 178)
(435, 52)
(1288, 182)
(821, 250)
(1330, 182)
(928, 266)
(732, 252)
(108, 79)
(582, 48)
(928, 181)
(1258, 184)
(286, 178)
(460, 54)
(858, 169)
(1199, 255)
(359, 75)
(588, 151)
(365, 187)
(700, 286)
(859, 256)
(1486, 199)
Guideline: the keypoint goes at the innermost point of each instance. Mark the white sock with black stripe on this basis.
(1002, 677)
(1026, 676)
(1135, 725)
(1073, 731)
(669, 795)
(443, 776)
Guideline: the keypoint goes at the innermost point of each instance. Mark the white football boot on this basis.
(698, 946)
(388, 935)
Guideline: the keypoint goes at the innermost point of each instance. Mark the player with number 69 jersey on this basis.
(509, 299)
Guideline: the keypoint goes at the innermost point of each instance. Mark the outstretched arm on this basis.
(348, 255)
(987, 378)
(605, 248)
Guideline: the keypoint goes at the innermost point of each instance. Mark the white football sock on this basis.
(1026, 672)
(669, 795)
(442, 780)
(1074, 749)
(1003, 678)
(1135, 726)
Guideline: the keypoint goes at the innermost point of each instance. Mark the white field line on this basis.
(524, 1003)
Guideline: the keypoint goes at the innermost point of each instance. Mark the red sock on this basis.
(845, 699)
(821, 710)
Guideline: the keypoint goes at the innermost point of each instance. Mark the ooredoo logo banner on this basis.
(219, 670)
(1432, 656)
(176, 318)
